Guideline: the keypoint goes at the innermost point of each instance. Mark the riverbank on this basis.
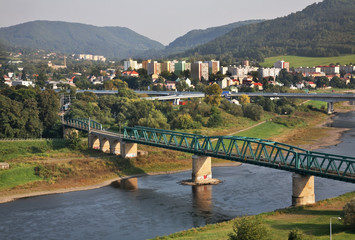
(311, 220)
(316, 135)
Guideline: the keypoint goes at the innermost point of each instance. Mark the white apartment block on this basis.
(240, 72)
(269, 72)
(308, 70)
(130, 64)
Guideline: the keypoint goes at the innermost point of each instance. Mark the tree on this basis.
(244, 99)
(348, 214)
(215, 120)
(182, 86)
(213, 95)
(249, 228)
(183, 121)
(253, 111)
(48, 105)
(295, 235)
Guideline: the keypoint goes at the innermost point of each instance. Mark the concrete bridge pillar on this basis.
(128, 150)
(330, 108)
(115, 147)
(302, 189)
(201, 169)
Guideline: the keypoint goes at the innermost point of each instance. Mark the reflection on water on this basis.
(202, 202)
(160, 206)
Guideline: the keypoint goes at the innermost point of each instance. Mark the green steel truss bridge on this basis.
(255, 151)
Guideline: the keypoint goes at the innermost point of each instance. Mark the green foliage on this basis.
(231, 108)
(198, 37)
(73, 139)
(288, 121)
(215, 120)
(213, 94)
(297, 61)
(183, 121)
(18, 175)
(348, 214)
(65, 37)
(253, 111)
(321, 29)
(248, 228)
(295, 235)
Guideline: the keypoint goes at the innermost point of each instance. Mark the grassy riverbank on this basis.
(312, 221)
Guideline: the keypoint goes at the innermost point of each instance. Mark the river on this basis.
(160, 206)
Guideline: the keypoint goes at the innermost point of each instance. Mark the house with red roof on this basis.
(130, 74)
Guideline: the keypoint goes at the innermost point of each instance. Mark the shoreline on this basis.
(333, 138)
(11, 198)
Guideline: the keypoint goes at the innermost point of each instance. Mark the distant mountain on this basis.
(119, 42)
(321, 29)
(198, 37)
(195, 38)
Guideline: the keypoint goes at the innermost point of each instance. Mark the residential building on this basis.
(330, 69)
(199, 70)
(179, 67)
(145, 64)
(282, 64)
(130, 74)
(240, 72)
(268, 72)
(154, 68)
(130, 64)
(165, 66)
(213, 66)
(308, 70)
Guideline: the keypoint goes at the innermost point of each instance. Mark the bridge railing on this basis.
(83, 124)
(250, 150)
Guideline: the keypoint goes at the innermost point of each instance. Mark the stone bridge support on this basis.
(112, 144)
(201, 169)
(128, 150)
(330, 107)
(302, 189)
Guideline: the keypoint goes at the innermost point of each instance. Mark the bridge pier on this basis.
(330, 107)
(128, 150)
(201, 169)
(302, 189)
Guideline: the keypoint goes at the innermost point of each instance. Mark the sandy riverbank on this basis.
(332, 137)
(4, 199)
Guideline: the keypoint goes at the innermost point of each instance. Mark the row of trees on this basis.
(28, 113)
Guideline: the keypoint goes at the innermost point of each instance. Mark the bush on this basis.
(295, 235)
(348, 214)
(248, 228)
(215, 120)
(253, 111)
(183, 121)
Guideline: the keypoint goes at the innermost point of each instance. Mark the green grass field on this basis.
(312, 221)
(296, 61)
(17, 176)
(20, 149)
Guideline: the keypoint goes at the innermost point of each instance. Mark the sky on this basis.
(160, 20)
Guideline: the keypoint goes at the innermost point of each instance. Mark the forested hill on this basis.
(321, 29)
(198, 37)
(77, 38)
(194, 38)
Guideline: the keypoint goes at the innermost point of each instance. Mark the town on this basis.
(174, 75)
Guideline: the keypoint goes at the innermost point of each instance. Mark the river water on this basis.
(160, 206)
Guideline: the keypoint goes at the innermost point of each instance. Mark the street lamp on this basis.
(330, 226)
